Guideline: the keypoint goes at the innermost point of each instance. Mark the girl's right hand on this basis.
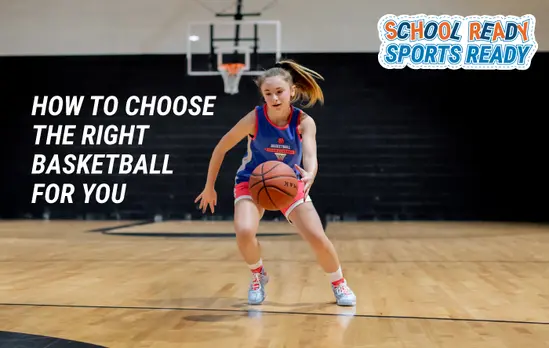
(208, 197)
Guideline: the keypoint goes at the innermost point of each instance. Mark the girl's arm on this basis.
(245, 126)
(308, 134)
(310, 161)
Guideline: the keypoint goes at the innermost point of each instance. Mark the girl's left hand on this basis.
(307, 179)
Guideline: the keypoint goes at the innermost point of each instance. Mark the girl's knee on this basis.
(245, 231)
(247, 216)
(318, 239)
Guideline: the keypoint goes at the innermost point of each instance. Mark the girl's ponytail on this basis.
(303, 78)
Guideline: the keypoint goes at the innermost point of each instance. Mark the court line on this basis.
(191, 234)
(276, 261)
(186, 235)
(188, 309)
(137, 223)
(22, 339)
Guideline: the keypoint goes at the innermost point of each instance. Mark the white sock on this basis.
(335, 276)
(256, 265)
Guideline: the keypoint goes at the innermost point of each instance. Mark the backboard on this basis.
(254, 43)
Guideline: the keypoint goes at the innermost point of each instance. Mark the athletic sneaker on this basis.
(256, 292)
(343, 294)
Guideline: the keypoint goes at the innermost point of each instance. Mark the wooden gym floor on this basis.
(183, 284)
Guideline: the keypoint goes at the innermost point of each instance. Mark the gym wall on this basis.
(395, 145)
(61, 27)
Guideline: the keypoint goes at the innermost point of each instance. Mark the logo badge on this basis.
(455, 42)
(280, 156)
(280, 150)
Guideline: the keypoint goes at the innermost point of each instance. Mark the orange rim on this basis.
(232, 68)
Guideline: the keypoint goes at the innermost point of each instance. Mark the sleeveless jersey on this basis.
(272, 143)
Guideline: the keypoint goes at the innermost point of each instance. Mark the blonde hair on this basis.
(303, 78)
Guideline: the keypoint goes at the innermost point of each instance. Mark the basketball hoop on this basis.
(231, 73)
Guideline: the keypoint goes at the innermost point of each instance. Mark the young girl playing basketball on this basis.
(278, 122)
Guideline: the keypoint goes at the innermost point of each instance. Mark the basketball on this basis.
(273, 185)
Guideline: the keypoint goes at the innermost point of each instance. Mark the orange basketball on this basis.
(273, 185)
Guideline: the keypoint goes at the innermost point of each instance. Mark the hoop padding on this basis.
(231, 74)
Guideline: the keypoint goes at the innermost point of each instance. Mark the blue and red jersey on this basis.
(272, 143)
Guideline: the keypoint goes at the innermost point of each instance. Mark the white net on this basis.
(231, 74)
